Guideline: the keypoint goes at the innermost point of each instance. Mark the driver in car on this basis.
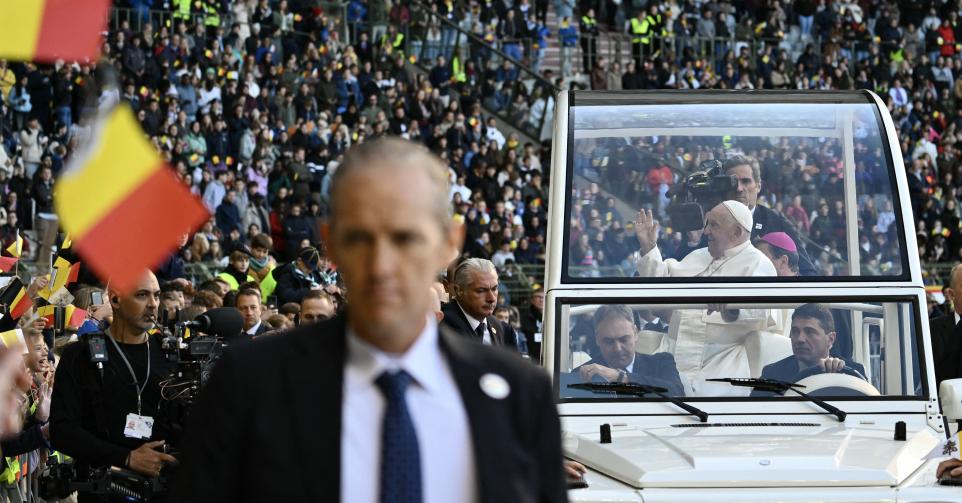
(616, 335)
(812, 335)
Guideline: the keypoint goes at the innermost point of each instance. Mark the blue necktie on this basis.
(400, 456)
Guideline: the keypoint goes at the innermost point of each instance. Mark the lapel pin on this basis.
(495, 386)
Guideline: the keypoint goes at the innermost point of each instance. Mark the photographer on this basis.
(109, 417)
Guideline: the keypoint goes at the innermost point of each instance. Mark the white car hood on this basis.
(753, 456)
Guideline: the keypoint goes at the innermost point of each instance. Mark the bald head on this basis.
(399, 156)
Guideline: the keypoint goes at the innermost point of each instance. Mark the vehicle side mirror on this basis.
(950, 394)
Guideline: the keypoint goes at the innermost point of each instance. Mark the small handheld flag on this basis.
(132, 223)
(949, 448)
(16, 248)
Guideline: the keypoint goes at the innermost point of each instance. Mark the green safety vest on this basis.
(268, 285)
(588, 22)
(457, 71)
(234, 285)
(182, 10)
(390, 46)
(212, 18)
(640, 31)
(11, 473)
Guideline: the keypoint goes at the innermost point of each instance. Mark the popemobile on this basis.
(735, 308)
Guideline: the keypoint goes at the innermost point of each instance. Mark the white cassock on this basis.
(705, 345)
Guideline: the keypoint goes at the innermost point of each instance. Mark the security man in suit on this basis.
(471, 312)
(765, 220)
(379, 403)
(616, 334)
(812, 335)
(947, 334)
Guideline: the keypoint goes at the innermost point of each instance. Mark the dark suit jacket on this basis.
(654, 370)
(502, 334)
(766, 220)
(787, 368)
(268, 425)
(946, 348)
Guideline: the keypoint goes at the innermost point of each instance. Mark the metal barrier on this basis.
(430, 35)
(135, 20)
(619, 47)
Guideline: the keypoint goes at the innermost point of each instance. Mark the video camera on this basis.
(60, 480)
(699, 192)
(193, 347)
(194, 356)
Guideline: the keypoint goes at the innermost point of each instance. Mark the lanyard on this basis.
(140, 389)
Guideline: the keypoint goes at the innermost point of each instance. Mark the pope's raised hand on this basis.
(646, 229)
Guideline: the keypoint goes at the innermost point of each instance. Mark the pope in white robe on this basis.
(709, 343)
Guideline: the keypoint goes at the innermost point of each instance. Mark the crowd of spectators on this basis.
(254, 107)
(254, 117)
(255, 113)
(907, 52)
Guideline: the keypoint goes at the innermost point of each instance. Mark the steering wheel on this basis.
(815, 370)
(846, 382)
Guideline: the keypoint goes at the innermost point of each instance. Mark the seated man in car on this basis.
(710, 343)
(616, 335)
(812, 335)
(781, 249)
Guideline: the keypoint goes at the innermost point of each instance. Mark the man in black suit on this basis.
(616, 335)
(765, 220)
(947, 334)
(532, 323)
(248, 302)
(471, 310)
(812, 335)
(378, 404)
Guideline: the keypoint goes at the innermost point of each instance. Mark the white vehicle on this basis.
(858, 424)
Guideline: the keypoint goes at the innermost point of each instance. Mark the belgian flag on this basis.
(133, 222)
(48, 30)
(15, 298)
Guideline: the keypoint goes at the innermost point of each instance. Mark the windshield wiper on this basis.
(638, 389)
(776, 386)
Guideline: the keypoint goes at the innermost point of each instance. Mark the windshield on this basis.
(844, 348)
(767, 190)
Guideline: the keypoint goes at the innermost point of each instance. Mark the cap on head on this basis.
(741, 214)
(241, 251)
(780, 240)
(310, 256)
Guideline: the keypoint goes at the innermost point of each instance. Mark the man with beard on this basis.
(108, 416)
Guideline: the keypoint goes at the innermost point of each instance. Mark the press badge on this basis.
(138, 426)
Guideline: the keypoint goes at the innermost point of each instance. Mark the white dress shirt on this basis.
(253, 330)
(486, 339)
(434, 402)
